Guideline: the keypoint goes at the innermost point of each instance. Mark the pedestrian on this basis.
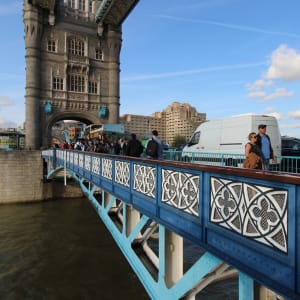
(116, 147)
(253, 156)
(154, 147)
(134, 147)
(123, 145)
(264, 143)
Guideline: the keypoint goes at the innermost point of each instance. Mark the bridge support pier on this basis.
(173, 257)
(132, 219)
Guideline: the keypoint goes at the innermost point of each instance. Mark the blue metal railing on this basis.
(289, 164)
(247, 218)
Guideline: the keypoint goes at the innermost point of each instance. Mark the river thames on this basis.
(61, 250)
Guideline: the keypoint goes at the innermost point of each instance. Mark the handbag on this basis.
(252, 161)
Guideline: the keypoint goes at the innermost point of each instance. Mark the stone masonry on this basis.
(72, 63)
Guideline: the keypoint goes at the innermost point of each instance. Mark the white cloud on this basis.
(5, 101)
(285, 64)
(270, 112)
(257, 94)
(295, 114)
(279, 93)
(259, 84)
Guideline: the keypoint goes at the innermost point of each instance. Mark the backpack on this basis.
(152, 148)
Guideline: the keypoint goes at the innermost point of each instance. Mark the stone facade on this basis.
(72, 63)
(22, 179)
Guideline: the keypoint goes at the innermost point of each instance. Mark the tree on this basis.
(178, 140)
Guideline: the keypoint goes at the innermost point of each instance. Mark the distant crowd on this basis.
(152, 147)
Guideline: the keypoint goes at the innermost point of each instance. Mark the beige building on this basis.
(178, 119)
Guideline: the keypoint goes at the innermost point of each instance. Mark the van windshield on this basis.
(195, 138)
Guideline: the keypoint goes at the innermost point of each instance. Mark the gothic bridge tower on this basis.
(72, 63)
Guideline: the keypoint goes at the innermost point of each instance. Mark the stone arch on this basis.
(84, 117)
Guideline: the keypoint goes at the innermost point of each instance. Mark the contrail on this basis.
(231, 26)
(191, 72)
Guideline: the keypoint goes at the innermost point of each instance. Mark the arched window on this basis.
(76, 47)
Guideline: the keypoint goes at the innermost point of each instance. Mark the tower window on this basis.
(76, 83)
(76, 47)
(71, 3)
(51, 46)
(93, 87)
(58, 83)
(99, 54)
(82, 5)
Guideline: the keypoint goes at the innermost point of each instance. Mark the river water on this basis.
(61, 250)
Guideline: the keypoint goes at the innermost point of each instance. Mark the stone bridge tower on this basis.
(72, 63)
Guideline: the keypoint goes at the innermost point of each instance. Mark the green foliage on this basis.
(178, 140)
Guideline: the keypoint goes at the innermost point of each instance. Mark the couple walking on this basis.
(258, 150)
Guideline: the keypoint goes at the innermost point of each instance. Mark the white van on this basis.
(225, 139)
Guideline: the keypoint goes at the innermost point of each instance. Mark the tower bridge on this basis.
(72, 63)
(243, 219)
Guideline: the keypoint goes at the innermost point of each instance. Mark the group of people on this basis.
(132, 147)
(135, 148)
(259, 151)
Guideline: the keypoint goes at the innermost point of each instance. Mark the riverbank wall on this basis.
(22, 179)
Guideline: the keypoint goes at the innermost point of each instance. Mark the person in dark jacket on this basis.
(264, 143)
(134, 147)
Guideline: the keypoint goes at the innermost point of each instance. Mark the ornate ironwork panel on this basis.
(251, 210)
(80, 160)
(87, 162)
(71, 157)
(96, 165)
(76, 159)
(106, 170)
(122, 172)
(181, 190)
(144, 180)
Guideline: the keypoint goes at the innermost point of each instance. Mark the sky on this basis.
(223, 57)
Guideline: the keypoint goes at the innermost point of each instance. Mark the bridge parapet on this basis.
(247, 218)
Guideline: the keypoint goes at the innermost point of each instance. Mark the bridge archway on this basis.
(83, 117)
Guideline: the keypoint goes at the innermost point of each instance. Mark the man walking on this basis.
(264, 143)
(154, 147)
(134, 147)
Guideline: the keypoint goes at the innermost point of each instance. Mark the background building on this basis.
(11, 139)
(178, 119)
